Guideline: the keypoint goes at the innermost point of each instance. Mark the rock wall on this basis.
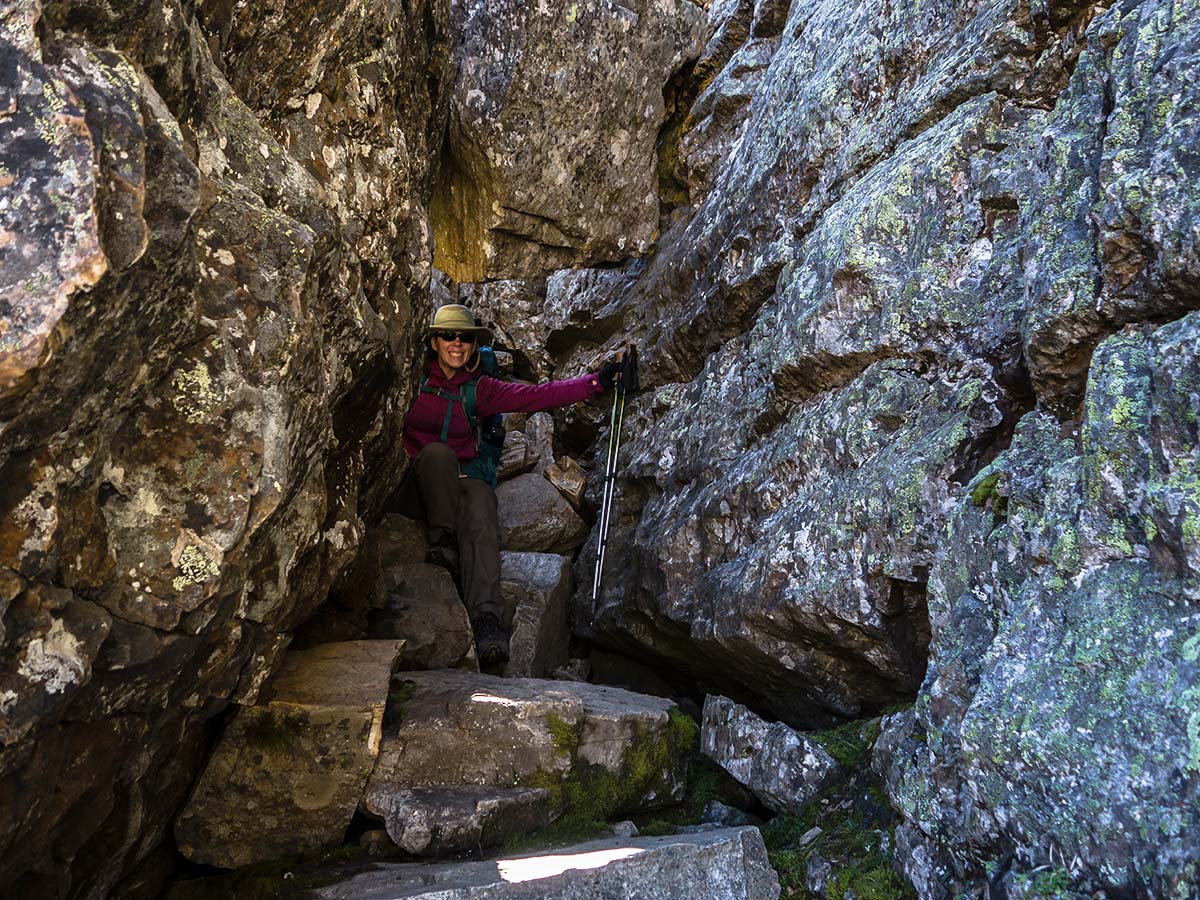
(213, 243)
(921, 417)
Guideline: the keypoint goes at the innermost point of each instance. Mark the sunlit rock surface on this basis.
(452, 729)
(782, 767)
(728, 863)
(1062, 700)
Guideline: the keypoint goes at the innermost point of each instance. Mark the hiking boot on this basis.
(491, 640)
(444, 556)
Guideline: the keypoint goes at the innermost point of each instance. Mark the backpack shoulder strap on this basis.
(469, 405)
(451, 400)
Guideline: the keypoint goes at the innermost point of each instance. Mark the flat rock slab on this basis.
(536, 588)
(441, 821)
(458, 728)
(781, 766)
(729, 863)
(421, 605)
(288, 773)
(535, 516)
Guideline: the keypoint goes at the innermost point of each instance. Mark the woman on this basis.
(460, 511)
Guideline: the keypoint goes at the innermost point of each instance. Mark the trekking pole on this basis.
(627, 383)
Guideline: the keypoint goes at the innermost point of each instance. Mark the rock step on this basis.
(427, 821)
(288, 772)
(602, 747)
(727, 863)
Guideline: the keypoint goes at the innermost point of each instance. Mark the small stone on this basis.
(782, 767)
(625, 829)
(570, 479)
(574, 670)
(720, 814)
(377, 843)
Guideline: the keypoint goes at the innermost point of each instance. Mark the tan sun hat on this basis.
(456, 317)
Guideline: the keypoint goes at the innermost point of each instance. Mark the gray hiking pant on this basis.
(460, 514)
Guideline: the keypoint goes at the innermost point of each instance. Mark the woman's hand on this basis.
(621, 369)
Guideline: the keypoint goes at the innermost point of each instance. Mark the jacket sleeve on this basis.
(495, 396)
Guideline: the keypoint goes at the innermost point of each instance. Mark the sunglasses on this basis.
(467, 337)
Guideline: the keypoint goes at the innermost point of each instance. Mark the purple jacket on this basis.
(423, 422)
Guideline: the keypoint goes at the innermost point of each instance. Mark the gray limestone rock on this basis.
(421, 605)
(555, 115)
(453, 729)
(782, 767)
(443, 821)
(536, 588)
(535, 517)
(1061, 702)
(729, 863)
(288, 772)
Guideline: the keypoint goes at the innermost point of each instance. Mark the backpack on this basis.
(489, 434)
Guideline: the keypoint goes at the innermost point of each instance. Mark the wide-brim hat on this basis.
(456, 317)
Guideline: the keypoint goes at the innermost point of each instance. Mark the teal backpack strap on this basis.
(451, 400)
(469, 406)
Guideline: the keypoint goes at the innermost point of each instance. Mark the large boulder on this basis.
(615, 750)
(728, 863)
(215, 244)
(555, 113)
(288, 772)
(534, 516)
(421, 605)
(536, 588)
(1061, 705)
(781, 502)
(783, 768)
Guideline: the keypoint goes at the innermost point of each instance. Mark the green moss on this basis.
(270, 732)
(1048, 883)
(874, 883)
(564, 734)
(591, 796)
(985, 489)
(855, 819)
(847, 743)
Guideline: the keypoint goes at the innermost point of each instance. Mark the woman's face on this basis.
(452, 355)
